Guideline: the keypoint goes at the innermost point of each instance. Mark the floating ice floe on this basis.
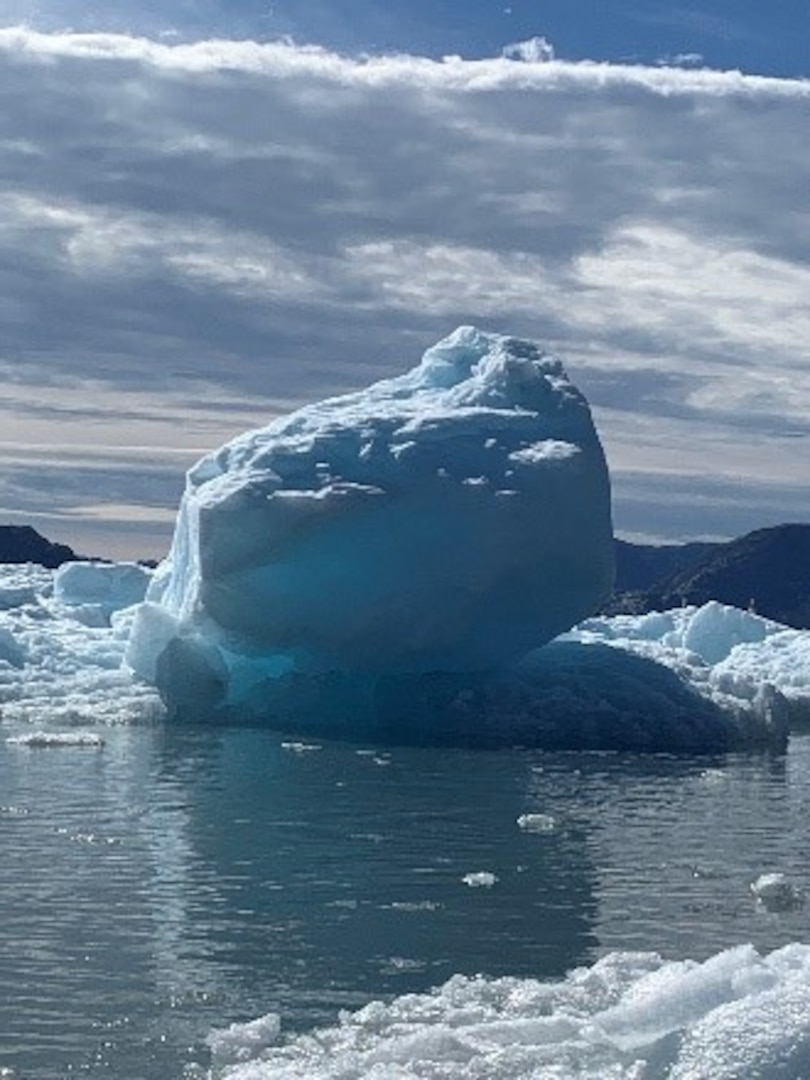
(40, 739)
(480, 879)
(631, 1016)
(775, 892)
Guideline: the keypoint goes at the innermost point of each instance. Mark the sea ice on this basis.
(44, 739)
(60, 666)
(447, 521)
(94, 590)
(775, 892)
(627, 1017)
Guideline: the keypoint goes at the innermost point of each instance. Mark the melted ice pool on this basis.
(159, 885)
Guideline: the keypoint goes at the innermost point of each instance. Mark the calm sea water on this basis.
(173, 881)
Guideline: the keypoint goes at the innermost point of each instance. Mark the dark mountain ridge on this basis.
(767, 570)
(23, 544)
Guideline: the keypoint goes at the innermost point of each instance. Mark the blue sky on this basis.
(766, 39)
(198, 234)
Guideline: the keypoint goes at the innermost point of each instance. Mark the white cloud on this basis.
(536, 50)
(271, 223)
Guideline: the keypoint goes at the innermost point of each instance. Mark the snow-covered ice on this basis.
(730, 656)
(631, 1016)
(61, 658)
(448, 520)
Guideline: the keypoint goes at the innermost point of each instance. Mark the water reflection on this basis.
(343, 869)
(181, 878)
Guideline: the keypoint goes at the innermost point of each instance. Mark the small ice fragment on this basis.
(300, 747)
(56, 738)
(243, 1042)
(775, 893)
(482, 879)
(537, 823)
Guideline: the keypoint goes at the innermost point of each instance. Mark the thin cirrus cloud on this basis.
(229, 228)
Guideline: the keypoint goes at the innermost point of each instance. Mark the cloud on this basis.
(197, 236)
(536, 50)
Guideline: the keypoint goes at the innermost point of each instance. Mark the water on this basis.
(176, 880)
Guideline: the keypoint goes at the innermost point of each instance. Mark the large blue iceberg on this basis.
(422, 533)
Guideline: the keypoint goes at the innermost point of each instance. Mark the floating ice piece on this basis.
(448, 520)
(751, 667)
(537, 823)
(241, 1042)
(481, 879)
(40, 739)
(776, 893)
(95, 589)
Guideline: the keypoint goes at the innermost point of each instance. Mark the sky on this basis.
(213, 213)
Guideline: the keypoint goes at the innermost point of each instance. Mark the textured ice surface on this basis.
(730, 656)
(58, 664)
(94, 590)
(631, 1016)
(448, 520)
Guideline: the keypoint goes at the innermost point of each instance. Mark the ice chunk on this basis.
(480, 879)
(629, 1016)
(95, 589)
(538, 823)
(747, 665)
(57, 667)
(241, 1042)
(448, 520)
(715, 629)
(776, 893)
(45, 739)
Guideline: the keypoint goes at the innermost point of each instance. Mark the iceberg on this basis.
(380, 545)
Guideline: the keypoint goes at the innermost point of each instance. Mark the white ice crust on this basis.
(447, 520)
(631, 1016)
(62, 650)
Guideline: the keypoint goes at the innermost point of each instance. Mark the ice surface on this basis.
(631, 1016)
(95, 589)
(448, 520)
(55, 669)
(731, 657)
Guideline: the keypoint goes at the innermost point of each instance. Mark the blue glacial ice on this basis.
(439, 523)
(404, 562)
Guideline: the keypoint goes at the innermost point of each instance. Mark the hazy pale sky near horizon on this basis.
(213, 213)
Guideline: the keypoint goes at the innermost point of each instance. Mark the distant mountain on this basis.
(768, 570)
(640, 566)
(22, 544)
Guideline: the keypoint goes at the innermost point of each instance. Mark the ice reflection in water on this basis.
(176, 880)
